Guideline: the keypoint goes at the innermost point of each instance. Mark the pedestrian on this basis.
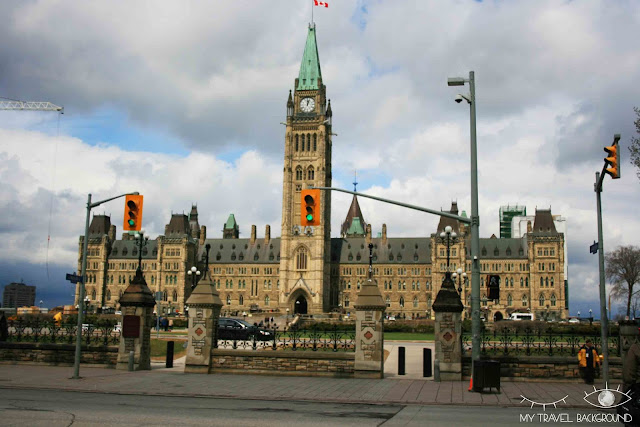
(170, 324)
(631, 380)
(588, 360)
(165, 324)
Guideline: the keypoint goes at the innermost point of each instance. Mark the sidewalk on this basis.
(174, 382)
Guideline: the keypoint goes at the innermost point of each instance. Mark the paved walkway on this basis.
(392, 389)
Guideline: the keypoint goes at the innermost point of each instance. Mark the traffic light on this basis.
(132, 213)
(310, 207)
(613, 160)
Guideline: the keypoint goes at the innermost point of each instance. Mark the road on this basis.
(53, 408)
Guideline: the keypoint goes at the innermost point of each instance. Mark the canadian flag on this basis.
(321, 3)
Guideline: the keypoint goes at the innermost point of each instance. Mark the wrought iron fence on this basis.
(330, 338)
(39, 331)
(536, 342)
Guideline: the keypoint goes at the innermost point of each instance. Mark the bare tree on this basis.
(634, 148)
(623, 271)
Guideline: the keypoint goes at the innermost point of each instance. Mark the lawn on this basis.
(408, 336)
(159, 348)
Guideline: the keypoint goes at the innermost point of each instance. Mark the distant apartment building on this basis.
(18, 295)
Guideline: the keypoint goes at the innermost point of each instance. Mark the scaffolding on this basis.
(507, 213)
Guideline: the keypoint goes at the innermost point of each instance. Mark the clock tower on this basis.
(305, 250)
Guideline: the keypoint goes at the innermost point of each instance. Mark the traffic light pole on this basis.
(604, 322)
(81, 304)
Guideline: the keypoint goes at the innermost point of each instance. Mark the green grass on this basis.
(408, 336)
(159, 348)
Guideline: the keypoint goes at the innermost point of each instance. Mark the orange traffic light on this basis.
(613, 160)
(310, 207)
(132, 213)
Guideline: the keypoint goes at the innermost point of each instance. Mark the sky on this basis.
(183, 102)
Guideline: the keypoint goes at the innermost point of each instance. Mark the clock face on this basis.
(307, 105)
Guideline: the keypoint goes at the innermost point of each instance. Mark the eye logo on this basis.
(544, 405)
(607, 397)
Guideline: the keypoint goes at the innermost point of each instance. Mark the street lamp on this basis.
(448, 237)
(87, 300)
(194, 273)
(475, 219)
(590, 317)
(287, 316)
(461, 276)
(41, 305)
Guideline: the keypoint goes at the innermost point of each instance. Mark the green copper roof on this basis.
(231, 222)
(356, 228)
(310, 66)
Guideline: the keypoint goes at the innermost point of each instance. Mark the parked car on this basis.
(238, 329)
(574, 320)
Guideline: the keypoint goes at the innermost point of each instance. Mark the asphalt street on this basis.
(54, 408)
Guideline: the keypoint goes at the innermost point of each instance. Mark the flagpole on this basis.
(311, 12)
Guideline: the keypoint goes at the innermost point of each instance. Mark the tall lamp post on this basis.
(590, 317)
(475, 219)
(85, 246)
(460, 275)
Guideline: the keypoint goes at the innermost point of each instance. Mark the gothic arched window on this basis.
(401, 301)
(415, 302)
(298, 173)
(175, 296)
(509, 300)
(228, 299)
(310, 173)
(521, 282)
(524, 300)
(315, 145)
(267, 300)
(241, 300)
(93, 295)
(297, 143)
(302, 140)
(553, 300)
(301, 259)
(388, 301)
(108, 295)
(308, 142)
(541, 300)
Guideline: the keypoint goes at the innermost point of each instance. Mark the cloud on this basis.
(182, 102)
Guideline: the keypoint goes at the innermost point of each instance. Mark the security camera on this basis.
(459, 98)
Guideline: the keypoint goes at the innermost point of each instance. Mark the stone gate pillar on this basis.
(628, 336)
(204, 310)
(137, 304)
(370, 307)
(448, 331)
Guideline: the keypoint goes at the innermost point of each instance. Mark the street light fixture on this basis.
(590, 317)
(461, 276)
(194, 273)
(448, 237)
(475, 219)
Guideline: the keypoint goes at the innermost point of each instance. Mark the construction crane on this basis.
(33, 106)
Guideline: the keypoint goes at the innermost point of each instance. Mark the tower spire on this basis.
(355, 180)
(310, 73)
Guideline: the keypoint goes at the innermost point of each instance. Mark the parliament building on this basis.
(307, 271)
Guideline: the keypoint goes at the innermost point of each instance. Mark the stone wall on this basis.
(56, 354)
(295, 363)
(523, 368)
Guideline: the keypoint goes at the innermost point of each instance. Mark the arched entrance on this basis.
(497, 317)
(300, 305)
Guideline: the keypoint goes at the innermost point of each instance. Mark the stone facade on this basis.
(305, 270)
(56, 354)
(283, 363)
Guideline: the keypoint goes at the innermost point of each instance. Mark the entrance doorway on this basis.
(300, 305)
(497, 317)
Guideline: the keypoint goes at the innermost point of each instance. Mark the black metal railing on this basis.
(536, 342)
(38, 331)
(330, 338)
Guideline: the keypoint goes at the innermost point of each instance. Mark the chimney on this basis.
(112, 233)
(166, 229)
(203, 234)
(384, 234)
(253, 234)
(267, 234)
(368, 234)
(529, 227)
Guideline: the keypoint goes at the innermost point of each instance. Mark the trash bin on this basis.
(486, 373)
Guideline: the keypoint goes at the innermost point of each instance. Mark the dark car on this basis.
(238, 329)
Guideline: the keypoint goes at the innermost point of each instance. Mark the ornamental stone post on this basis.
(370, 307)
(204, 310)
(628, 336)
(448, 331)
(136, 304)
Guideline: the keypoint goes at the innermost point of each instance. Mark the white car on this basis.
(574, 320)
